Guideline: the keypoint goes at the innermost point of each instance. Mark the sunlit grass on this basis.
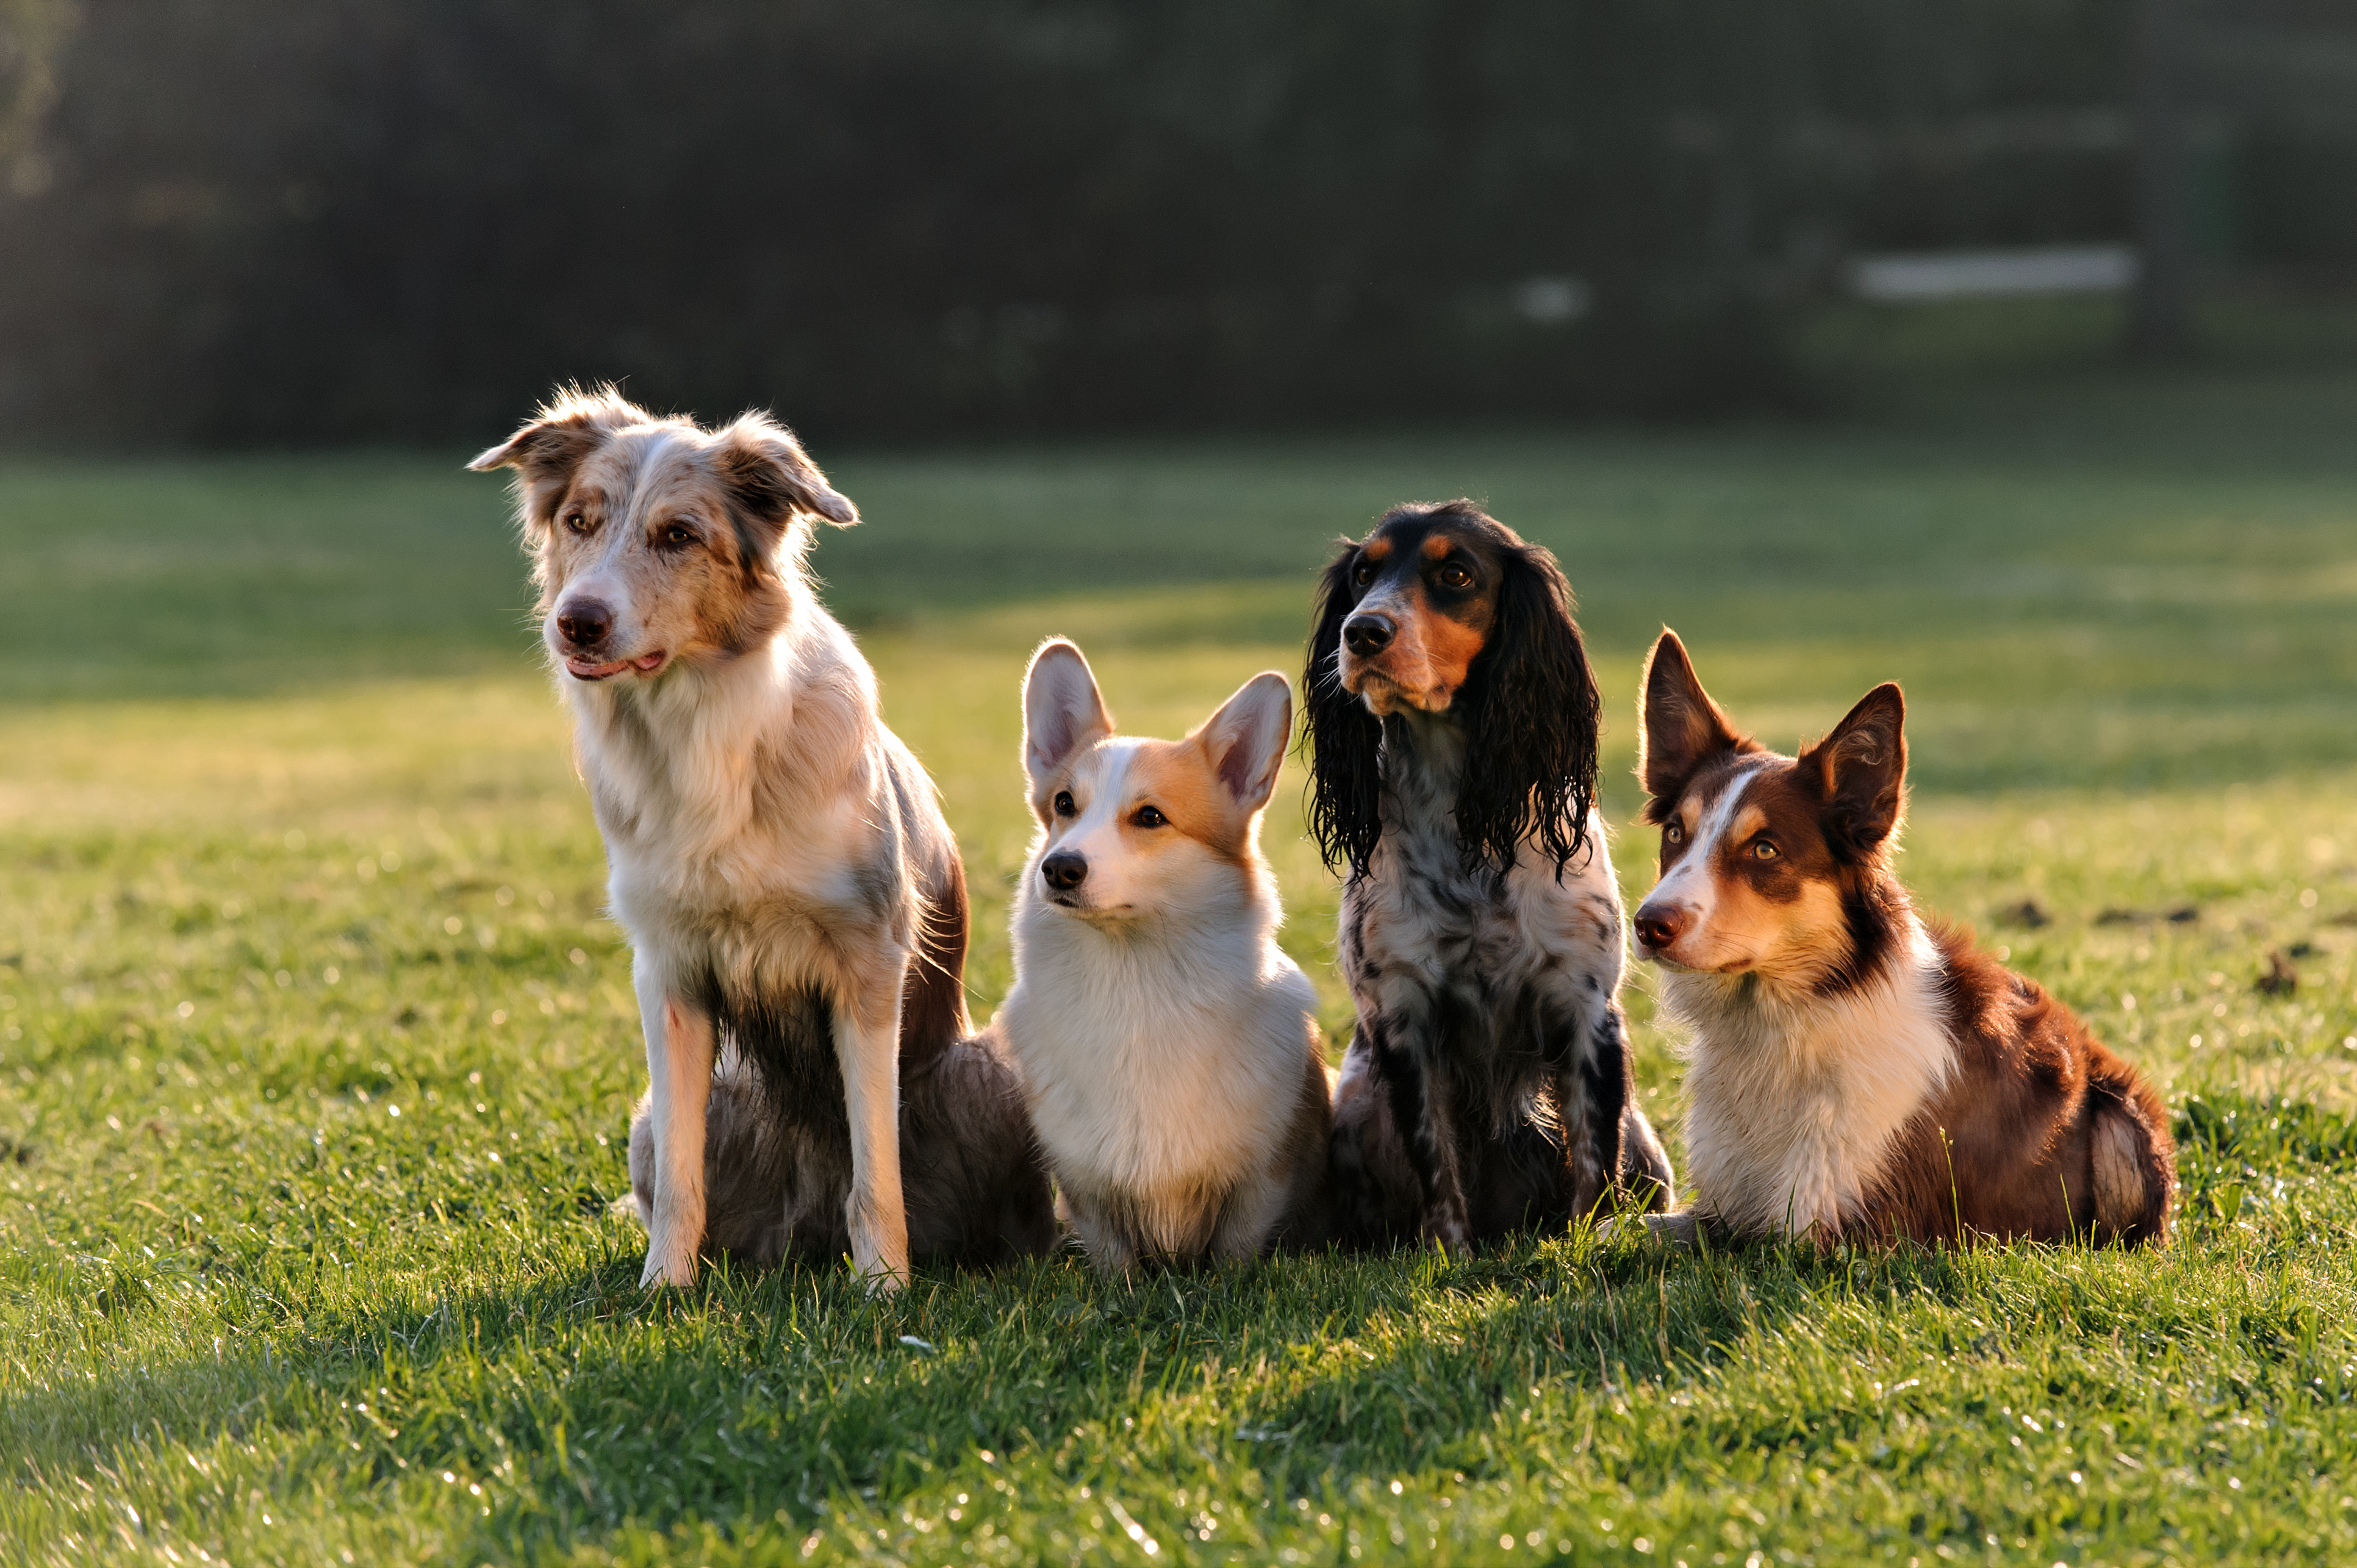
(316, 1049)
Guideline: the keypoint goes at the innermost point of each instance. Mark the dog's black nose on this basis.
(1064, 870)
(1368, 633)
(584, 623)
(1658, 928)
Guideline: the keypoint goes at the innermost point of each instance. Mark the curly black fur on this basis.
(1532, 719)
(1344, 740)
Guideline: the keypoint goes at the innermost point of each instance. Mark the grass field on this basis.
(316, 1052)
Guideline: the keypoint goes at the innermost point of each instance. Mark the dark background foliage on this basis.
(241, 221)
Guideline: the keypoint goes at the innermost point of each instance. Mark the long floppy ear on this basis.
(1532, 722)
(1859, 771)
(1062, 710)
(1679, 728)
(1343, 738)
(1245, 739)
(548, 448)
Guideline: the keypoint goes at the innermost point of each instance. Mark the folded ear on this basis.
(548, 448)
(1860, 772)
(1679, 728)
(771, 479)
(1061, 709)
(1245, 739)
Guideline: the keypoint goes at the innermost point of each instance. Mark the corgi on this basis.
(1856, 1072)
(1167, 1046)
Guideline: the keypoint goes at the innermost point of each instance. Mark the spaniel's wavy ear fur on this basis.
(1532, 717)
(1343, 739)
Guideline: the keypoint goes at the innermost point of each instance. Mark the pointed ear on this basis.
(1860, 772)
(1245, 739)
(1679, 728)
(771, 479)
(548, 448)
(1061, 709)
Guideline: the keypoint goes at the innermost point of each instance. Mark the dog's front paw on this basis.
(664, 1270)
(1681, 1229)
(885, 1282)
(1448, 1228)
(880, 1253)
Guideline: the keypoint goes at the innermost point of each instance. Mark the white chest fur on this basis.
(1795, 1104)
(1157, 1059)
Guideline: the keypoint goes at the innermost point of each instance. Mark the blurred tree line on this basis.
(313, 220)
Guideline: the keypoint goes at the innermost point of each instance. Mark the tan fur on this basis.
(780, 861)
(1166, 1043)
(1426, 665)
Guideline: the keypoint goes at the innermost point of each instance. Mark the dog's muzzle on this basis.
(1063, 871)
(1368, 633)
(584, 624)
(1659, 925)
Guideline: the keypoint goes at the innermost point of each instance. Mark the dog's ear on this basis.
(1679, 728)
(1062, 710)
(548, 448)
(770, 481)
(1344, 739)
(1859, 771)
(1532, 720)
(1245, 739)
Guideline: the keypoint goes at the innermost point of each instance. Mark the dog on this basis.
(793, 896)
(1168, 1047)
(1856, 1071)
(1452, 719)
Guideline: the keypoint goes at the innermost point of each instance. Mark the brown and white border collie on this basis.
(796, 906)
(1168, 1046)
(1854, 1070)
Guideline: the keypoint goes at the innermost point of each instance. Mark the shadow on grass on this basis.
(581, 1405)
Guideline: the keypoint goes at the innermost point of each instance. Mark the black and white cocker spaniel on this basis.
(1453, 721)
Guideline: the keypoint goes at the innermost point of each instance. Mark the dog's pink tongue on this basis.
(649, 662)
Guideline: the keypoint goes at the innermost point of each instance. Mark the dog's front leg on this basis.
(867, 1045)
(679, 1074)
(1422, 1112)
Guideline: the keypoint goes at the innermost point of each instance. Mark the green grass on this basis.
(315, 1052)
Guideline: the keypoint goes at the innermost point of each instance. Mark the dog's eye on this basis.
(1147, 817)
(1455, 577)
(1763, 850)
(1673, 834)
(679, 533)
(1064, 807)
(1363, 573)
(575, 522)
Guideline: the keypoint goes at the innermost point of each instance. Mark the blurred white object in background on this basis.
(1989, 274)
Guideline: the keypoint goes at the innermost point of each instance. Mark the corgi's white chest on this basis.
(1153, 1069)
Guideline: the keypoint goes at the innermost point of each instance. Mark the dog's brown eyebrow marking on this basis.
(1437, 545)
(1378, 551)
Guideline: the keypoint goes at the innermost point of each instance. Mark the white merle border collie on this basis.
(792, 894)
(1453, 721)
(1856, 1071)
(1167, 1045)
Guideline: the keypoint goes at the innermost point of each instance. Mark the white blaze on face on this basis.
(1690, 887)
(1099, 782)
